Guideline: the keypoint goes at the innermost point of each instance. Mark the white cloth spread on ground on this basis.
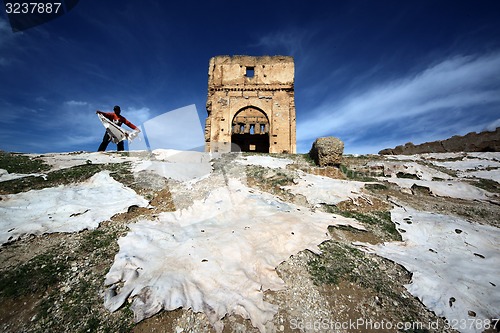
(454, 264)
(6, 176)
(467, 165)
(391, 169)
(265, 161)
(68, 208)
(216, 257)
(451, 189)
(59, 161)
(325, 190)
(438, 183)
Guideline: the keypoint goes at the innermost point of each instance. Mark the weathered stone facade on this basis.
(251, 104)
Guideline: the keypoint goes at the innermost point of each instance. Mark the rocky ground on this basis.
(54, 282)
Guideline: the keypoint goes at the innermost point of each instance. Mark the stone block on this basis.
(327, 151)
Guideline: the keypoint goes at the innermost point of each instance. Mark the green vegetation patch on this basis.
(370, 157)
(380, 219)
(372, 218)
(376, 187)
(341, 262)
(119, 171)
(307, 158)
(76, 303)
(453, 173)
(336, 263)
(96, 240)
(81, 310)
(488, 185)
(356, 175)
(18, 163)
(35, 276)
(270, 177)
(378, 222)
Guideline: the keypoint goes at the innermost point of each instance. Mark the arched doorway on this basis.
(250, 130)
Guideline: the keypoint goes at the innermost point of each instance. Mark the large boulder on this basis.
(327, 151)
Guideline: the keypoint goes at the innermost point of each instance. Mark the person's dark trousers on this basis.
(106, 140)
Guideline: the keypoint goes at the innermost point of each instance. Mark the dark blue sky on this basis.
(374, 73)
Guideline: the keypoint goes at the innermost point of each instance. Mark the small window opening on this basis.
(252, 129)
(250, 72)
(262, 128)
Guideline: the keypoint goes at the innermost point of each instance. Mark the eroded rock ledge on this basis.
(471, 142)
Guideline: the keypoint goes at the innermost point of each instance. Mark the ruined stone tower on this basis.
(251, 104)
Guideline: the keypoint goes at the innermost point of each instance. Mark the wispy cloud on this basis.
(137, 115)
(4, 62)
(437, 96)
(7, 38)
(5, 32)
(293, 42)
(493, 125)
(76, 103)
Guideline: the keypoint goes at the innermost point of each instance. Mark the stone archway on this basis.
(250, 130)
(245, 87)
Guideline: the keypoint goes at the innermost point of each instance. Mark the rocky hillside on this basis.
(471, 142)
(170, 241)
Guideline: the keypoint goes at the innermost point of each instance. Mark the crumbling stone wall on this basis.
(251, 103)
